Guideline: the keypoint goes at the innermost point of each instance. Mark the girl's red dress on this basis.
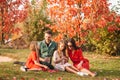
(30, 61)
(77, 57)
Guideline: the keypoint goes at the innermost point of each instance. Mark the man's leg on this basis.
(47, 64)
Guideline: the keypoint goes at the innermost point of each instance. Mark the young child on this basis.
(33, 62)
(61, 61)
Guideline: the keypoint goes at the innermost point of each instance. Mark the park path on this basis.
(5, 59)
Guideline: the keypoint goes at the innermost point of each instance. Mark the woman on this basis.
(61, 61)
(75, 54)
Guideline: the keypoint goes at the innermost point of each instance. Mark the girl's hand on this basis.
(45, 67)
(65, 58)
(66, 61)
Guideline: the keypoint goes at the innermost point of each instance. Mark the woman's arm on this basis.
(80, 58)
(80, 54)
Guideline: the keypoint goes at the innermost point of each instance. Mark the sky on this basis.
(114, 2)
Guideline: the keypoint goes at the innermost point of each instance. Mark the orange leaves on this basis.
(59, 78)
(68, 19)
(84, 1)
(117, 20)
(16, 30)
(78, 1)
(86, 10)
(112, 28)
(58, 37)
(73, 12)
(54, 28)
(102, 23)
(70, 2)
(111, 17)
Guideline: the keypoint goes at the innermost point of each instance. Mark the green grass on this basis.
(106, 67)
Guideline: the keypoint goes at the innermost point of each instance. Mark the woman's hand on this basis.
(80, 64)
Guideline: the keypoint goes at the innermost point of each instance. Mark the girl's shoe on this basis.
(80, 73)
(86, 74)
(23, 68)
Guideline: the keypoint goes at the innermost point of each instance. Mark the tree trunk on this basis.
(2, 24)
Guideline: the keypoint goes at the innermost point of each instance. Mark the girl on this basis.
(61, 61)
(32, 62)
(75, 54)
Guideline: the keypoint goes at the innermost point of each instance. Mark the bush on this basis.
(106, 43)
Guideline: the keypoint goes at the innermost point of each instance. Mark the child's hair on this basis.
(33, 45)
(64, 50)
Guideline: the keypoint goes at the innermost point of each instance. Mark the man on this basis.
(46, 49)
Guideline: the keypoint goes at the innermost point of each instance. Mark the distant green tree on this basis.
(37, 20)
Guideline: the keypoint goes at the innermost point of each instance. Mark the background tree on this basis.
(85, 20)
(37, 20)
(11, 12)
(107, 38)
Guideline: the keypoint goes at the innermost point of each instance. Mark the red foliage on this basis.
(2, 1)
(117, 20)
(112, 28)
(75, 18)
(12, 12)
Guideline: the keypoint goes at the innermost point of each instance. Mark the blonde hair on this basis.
(64, 50)
(34, 47)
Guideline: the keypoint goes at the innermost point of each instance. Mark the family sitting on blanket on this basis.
(47, 55)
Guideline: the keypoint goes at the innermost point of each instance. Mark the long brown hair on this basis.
(71, 40)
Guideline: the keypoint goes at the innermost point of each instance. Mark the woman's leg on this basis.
(88, 71)
(69, 69)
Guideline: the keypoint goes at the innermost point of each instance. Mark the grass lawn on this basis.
(108, 68)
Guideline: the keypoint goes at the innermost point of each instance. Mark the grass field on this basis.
(108, 68)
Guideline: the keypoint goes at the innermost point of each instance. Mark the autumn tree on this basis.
(83, 20)
(37, 20)
(11, 12)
